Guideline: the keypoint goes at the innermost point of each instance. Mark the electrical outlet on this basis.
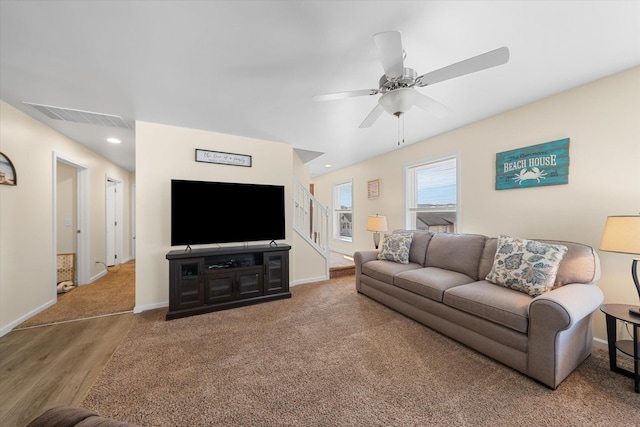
(96, 260)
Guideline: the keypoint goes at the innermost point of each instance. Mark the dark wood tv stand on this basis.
(212, 279)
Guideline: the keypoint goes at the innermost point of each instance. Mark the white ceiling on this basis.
(251, 68)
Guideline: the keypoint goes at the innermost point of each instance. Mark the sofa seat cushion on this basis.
(430, 282)
(500, 305)
(385, 271)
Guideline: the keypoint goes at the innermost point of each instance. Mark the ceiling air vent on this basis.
(78, 116)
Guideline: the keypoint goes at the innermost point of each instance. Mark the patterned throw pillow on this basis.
(395, 247)
(526, 265)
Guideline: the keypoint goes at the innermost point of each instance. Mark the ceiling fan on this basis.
(398, 84)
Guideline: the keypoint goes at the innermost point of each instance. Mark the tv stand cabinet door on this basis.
(186, 284)
(219, 287)
(249, 282)
(276, 272)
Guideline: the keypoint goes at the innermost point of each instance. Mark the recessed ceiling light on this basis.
(114, 140)
(327, 166)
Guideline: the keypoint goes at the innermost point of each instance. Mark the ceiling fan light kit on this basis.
(398, 84)
(398, 101)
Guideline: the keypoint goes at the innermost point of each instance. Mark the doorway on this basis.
(108, 293)
(70, 216)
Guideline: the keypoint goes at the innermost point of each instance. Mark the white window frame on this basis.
(410, 193)
(337, 211)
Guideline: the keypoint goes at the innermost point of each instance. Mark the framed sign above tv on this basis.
(222, 158)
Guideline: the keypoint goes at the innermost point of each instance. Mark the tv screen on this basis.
(221, 212)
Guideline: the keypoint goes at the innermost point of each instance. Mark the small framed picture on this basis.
(373, 189)
(7, 171)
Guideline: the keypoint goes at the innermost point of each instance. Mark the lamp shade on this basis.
(621, 234)
(377, 223)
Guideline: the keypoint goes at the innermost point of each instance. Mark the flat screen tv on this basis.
(205, 212)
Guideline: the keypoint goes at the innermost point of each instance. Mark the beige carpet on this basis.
(112, 293)
(331, 357)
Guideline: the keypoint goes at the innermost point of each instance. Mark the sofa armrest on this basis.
(576, 300)
(66, 416)
(359, 259)
(561, 331)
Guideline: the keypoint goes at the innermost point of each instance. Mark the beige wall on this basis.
(167, 152)
(601, 120)
(27, 271)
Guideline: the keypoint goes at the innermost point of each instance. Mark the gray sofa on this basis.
(442, 286)
(69, 416)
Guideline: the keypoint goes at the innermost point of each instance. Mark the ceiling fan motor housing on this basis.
(407, 79)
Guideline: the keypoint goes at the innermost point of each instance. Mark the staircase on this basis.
(341, 265)
(311, 219)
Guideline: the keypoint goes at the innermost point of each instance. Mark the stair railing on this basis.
(310, 219)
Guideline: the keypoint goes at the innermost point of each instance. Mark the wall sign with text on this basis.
(222, 158)
(534, 166)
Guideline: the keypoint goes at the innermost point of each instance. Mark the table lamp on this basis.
(376, 223)
(622, 234)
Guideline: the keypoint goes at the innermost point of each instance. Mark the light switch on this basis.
(67, 222)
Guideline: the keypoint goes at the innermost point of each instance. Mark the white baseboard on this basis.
(104, 272)
(140, 308)
(598, 343)
(8, 328)
(96, 277)
(309, 280)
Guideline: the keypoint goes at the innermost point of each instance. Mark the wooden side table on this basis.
(614, 312)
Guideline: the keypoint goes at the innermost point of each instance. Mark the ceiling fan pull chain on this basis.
(400, 117)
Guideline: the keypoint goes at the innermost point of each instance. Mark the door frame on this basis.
(83, 235)
(118, 216)
(132, 205)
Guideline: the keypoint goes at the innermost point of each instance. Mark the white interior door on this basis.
(114, 221)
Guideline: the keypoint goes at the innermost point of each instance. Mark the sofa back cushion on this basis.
(419, 244)
(487, 257)
(579, 265)
(456, 252)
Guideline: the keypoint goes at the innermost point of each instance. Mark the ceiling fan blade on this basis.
(430, 105)
(389, 46)
(372, 117)
(477, 63)
(348, 94)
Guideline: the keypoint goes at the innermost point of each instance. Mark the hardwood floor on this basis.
(54, 365)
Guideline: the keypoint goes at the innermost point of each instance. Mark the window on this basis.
(343, 211)
(432, 194)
